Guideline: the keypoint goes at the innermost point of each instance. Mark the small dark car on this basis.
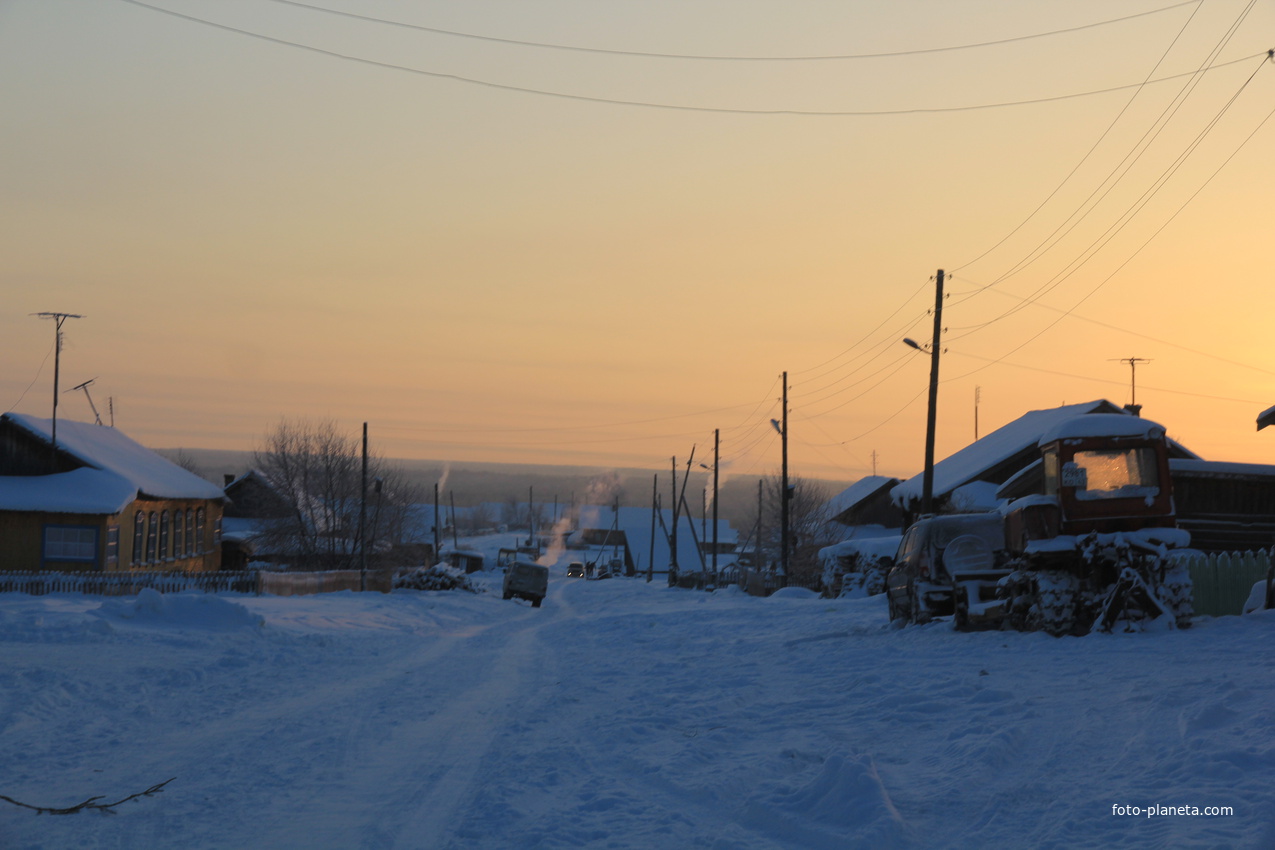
(935, 555)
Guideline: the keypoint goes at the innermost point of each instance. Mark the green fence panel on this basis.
(1222, 582)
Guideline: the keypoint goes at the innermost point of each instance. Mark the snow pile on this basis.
(192, 610)
(845, 799)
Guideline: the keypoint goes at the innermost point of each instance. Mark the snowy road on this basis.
(623, 715)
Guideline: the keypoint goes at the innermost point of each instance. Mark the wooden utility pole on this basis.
(784, 494)
(717, 444)
(672, 552)
(58, 319)
(927, 487)
(757, 552)
(655, 510)
(363, 519)
(437, 531)
(978, 393)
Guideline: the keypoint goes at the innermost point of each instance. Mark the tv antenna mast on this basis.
(58, 319)
(1133, 379)
(85, 386)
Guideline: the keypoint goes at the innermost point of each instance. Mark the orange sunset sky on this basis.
(590, 233)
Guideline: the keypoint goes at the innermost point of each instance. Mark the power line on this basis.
(1110, 326)
(652, 104)
(38, 372)
(1105, 239)
(1124, 109)
(862, 339)
(1112, 381)
(1127, 162)
(724, 58)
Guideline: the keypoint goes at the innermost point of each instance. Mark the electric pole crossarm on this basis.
(58, 319)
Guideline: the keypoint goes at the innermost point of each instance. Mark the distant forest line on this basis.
(472, 483)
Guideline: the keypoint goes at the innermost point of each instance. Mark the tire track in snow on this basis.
(415, 739)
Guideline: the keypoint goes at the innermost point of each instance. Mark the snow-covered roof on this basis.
(636, 524)
(872, 547)
(976, 497)
(1266, 417)
(973, 461)
(1102, 425)
(80, 491)
(857, 492)
(116, 470)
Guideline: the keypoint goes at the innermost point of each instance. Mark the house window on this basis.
(199, 531)
(217, 531)
(163, 536)
(112, 545)
(190, 533)
(179, 534)
(139, 536)
(70, 543)
(152, 537)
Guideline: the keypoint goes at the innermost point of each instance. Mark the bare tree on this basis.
(188, 463)
(808, 527)
(317, 471)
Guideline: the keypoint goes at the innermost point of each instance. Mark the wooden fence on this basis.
(1224, 580)
(126, 583)
(249, 581)
(331, 581)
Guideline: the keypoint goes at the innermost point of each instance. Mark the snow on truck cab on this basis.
(1090, 550)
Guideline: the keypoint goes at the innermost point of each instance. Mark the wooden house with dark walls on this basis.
(97, 500)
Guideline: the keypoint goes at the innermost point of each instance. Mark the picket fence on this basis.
(126, 583)
(1224, 580)
(249, 581)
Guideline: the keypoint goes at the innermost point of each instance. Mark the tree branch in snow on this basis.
(90, 803)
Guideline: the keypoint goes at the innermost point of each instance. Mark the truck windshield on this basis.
(1113, 474)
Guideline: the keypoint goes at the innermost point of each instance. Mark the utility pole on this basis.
(1133, 406)
(978, 393)
(437, 532)
(717, 445)
(927, 491)
(363, 519)
(655, 510)
(58, 319)
(784, 495)
(672, 556)
(757, 554)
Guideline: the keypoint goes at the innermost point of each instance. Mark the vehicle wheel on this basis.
(897, 614)
(960, 608)
(920, 614)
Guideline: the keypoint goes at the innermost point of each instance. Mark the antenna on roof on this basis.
(85, 386)
(1133, 406)
(58, 319)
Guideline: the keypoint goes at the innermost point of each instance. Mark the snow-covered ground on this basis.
(621, 714)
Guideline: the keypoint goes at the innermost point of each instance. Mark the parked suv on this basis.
(936, 554)
(526, 580)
